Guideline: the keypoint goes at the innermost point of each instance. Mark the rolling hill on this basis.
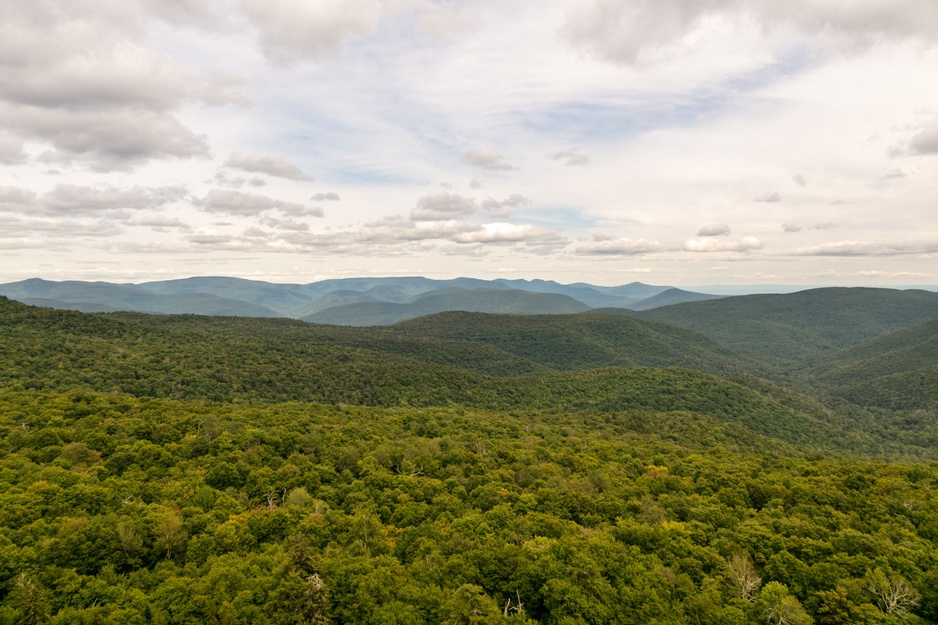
(798, 328)
(275, 360)
(898, 371)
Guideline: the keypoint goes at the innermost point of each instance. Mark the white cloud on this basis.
(619, 247)
(746, 244)
(486, 158)
(266, 164)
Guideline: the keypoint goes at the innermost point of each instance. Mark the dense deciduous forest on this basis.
(195, 470)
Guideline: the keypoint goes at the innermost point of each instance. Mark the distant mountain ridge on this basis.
(346, 301)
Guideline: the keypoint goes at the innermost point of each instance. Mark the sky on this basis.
(679, 142)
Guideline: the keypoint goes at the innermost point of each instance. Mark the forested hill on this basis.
(461, 468)
(529, 363)
(799, 327)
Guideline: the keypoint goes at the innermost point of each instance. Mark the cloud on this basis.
(619, 247)
(714, 230)
(326, 197)
(799, 180)
(475, 184)
(285, 224)
(770, 198)
(502, 208)
(11, 148)
(790, 227)
(869, 248)
(67, 199)
(502, 233)
(294, 30)
(72, 75)
(266, 164)
(106, 140)
(486, 158)
(443, 206)
(571, 157)
(630, 31)
(250, 204)
(924, 142)
(746, 244)
(16, 199)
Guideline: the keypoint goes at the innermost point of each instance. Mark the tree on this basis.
(31, 600)
(894, 595)
(301, 597)
(470, 605)
(743, 576)
(778, 607)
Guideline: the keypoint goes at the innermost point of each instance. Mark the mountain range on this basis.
(352, 301)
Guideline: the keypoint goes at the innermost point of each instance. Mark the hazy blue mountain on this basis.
(104, 296)
(669, 297)
(448, 298)
(302, 300)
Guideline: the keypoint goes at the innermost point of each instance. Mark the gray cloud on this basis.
(869, 248)
(746, 244)
(28, 230)
(11, 148)
(799, 180)
(714, 230)
(442, 206)
(73, 74)
(894, 173)
(571, 157)
(486, 158)
(16, 199)
(502, 208)
(68, 199)
(106, 140)
(603, 246)
(326, 197)
(923, 142)
(770, 198)
(475, 184)
(266, 164)
(250, 204)
(623, 30)
(294, 30)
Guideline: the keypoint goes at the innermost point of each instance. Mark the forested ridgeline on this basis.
(277, 360)
(125, 510)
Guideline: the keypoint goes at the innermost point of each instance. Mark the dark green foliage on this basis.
(798, 327)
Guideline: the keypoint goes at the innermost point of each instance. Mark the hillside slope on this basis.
(254, 360)
(800, 327)
(566, 342)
